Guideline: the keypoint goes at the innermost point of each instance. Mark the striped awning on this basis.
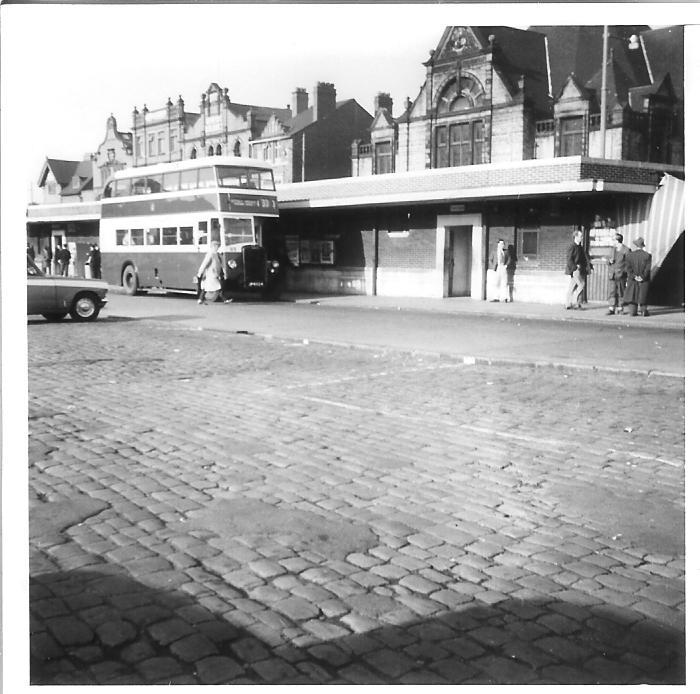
(659, 219)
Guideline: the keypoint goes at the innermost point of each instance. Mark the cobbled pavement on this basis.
(212, 508)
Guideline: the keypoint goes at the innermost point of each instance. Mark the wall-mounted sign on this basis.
(458, 208)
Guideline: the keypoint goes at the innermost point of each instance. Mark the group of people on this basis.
(504, 263)
(628, 279)
(59, 262)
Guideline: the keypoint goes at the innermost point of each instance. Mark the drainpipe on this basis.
(604, 94)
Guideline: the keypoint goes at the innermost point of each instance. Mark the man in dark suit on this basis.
(578, 265)
(638, 277)
(617, 278)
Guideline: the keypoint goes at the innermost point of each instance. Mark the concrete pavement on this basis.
(477, 332)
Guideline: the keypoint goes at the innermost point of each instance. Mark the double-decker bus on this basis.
(157, 221)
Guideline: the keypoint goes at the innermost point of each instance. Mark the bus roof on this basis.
(189, 164)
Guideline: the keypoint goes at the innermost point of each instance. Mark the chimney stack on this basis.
(300, 101)
(383, 100)
(324, 100)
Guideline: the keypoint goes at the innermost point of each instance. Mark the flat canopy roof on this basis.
(486, 181)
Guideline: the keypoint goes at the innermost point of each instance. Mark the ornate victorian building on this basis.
(496, 94)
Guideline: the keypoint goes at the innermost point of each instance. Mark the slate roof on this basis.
(306, 118)
(579, 49)
(64, 171)
(664, 49)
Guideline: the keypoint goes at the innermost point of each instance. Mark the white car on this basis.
(54, 296)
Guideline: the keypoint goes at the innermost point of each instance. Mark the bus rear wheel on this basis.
(130, 280)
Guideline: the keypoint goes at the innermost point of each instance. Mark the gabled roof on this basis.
(62, 170)
(80, 180)
(382, 119)
(661, 86)
(619, 82)
(516, 53)
(306, 118)
(580, 90)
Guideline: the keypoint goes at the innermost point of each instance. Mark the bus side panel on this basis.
(160, 270)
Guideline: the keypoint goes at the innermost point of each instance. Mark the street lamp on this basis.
(633, 45)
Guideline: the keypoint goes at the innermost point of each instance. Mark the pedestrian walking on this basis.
(210, 275)
(617, 278)
(96, 262)
(578, 265)
(511, 264)
(638, 277)
(499, 266)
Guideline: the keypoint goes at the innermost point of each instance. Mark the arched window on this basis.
(193, 153)
(210, 151)
(218, 150)
(237, 149)
(460, 94)
(459, 142)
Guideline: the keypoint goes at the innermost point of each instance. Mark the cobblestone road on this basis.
(217, 508)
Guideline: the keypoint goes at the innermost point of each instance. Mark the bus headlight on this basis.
(232, 264)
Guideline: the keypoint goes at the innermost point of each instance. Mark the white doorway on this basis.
(459, 251)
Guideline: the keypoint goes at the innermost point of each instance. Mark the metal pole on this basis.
(604, 93)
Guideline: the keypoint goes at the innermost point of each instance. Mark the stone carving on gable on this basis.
(460, 42)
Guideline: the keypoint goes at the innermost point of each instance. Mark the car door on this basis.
(41, 292)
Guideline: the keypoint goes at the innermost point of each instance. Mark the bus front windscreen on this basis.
(238, 231)
(242, 177)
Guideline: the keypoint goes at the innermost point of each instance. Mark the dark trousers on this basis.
(616, 290)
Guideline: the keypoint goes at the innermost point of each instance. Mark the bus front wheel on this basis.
(130, 280)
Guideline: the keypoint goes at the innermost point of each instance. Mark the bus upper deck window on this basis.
(207, 178)
(153, 183)
(123, 187)
(266, 180)
(231, 176)
(171, 182)
(188, 179)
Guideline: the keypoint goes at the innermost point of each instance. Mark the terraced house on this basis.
(504, 140)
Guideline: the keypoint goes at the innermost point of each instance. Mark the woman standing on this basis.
(501, 274)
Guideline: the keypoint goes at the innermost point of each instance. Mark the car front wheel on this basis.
(86, 307)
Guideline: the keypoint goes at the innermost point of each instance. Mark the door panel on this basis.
(458, 260)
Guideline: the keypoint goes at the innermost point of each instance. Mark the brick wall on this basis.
(507, 136)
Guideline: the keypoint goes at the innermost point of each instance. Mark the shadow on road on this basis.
(101, 626)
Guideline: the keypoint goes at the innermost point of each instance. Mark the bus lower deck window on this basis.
(170, 236)
(137, 237)
(122, 237)
(186, 236)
